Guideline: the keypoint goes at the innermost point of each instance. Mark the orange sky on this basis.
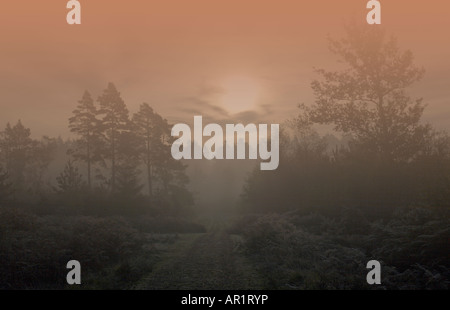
(180, 56)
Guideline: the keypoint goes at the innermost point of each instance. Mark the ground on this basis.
(203, 261)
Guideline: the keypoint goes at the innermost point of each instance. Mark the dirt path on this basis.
(207, 261)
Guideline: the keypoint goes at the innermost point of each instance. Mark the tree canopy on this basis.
(367, 98)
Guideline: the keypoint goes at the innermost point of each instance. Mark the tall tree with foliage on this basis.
(166, 176)
(114, 123)
(86, 126)
(149, 128)
(171, 174)
(367, 99)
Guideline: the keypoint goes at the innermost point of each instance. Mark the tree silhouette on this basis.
(85, 124)
(70, 181)
(16, 145)
(5, 185)
(367, 99)
(128, 184)
(114, 123)
(171, 175)
(128, 187)
(165, 176)
(41, 155)
(149, 128)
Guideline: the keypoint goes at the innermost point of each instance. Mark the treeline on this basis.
(312, 177)
(118, 163)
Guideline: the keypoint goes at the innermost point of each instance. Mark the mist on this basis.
(363, 174)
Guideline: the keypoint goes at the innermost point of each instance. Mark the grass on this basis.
(203, 261)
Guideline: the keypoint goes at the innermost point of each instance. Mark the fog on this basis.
(87, 172)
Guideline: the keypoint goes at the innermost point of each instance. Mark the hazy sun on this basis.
(240, 93)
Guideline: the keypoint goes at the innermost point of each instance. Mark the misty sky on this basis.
(234, 60)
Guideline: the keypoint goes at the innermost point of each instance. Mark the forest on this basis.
(376, 185)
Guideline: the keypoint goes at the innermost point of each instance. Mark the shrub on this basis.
(316, 252)
(34, 251)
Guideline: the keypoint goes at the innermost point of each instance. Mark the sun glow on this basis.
(240, 93)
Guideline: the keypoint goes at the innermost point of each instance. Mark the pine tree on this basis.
(70, 181)
(5, 185)
(114, 123)
(149, 128)
(166, 176)
(85, 124)
(17, 149)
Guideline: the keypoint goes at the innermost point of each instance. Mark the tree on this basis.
(149, 128)
(367, 99)
(16, 150)
(171, 174)
(5, 185)
(41, 155)
(85, 124)
(70, 189)
(114, 123)
(128, 187)
(70, 181)
(165, 175)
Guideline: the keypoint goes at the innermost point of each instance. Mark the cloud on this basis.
(202, 107)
